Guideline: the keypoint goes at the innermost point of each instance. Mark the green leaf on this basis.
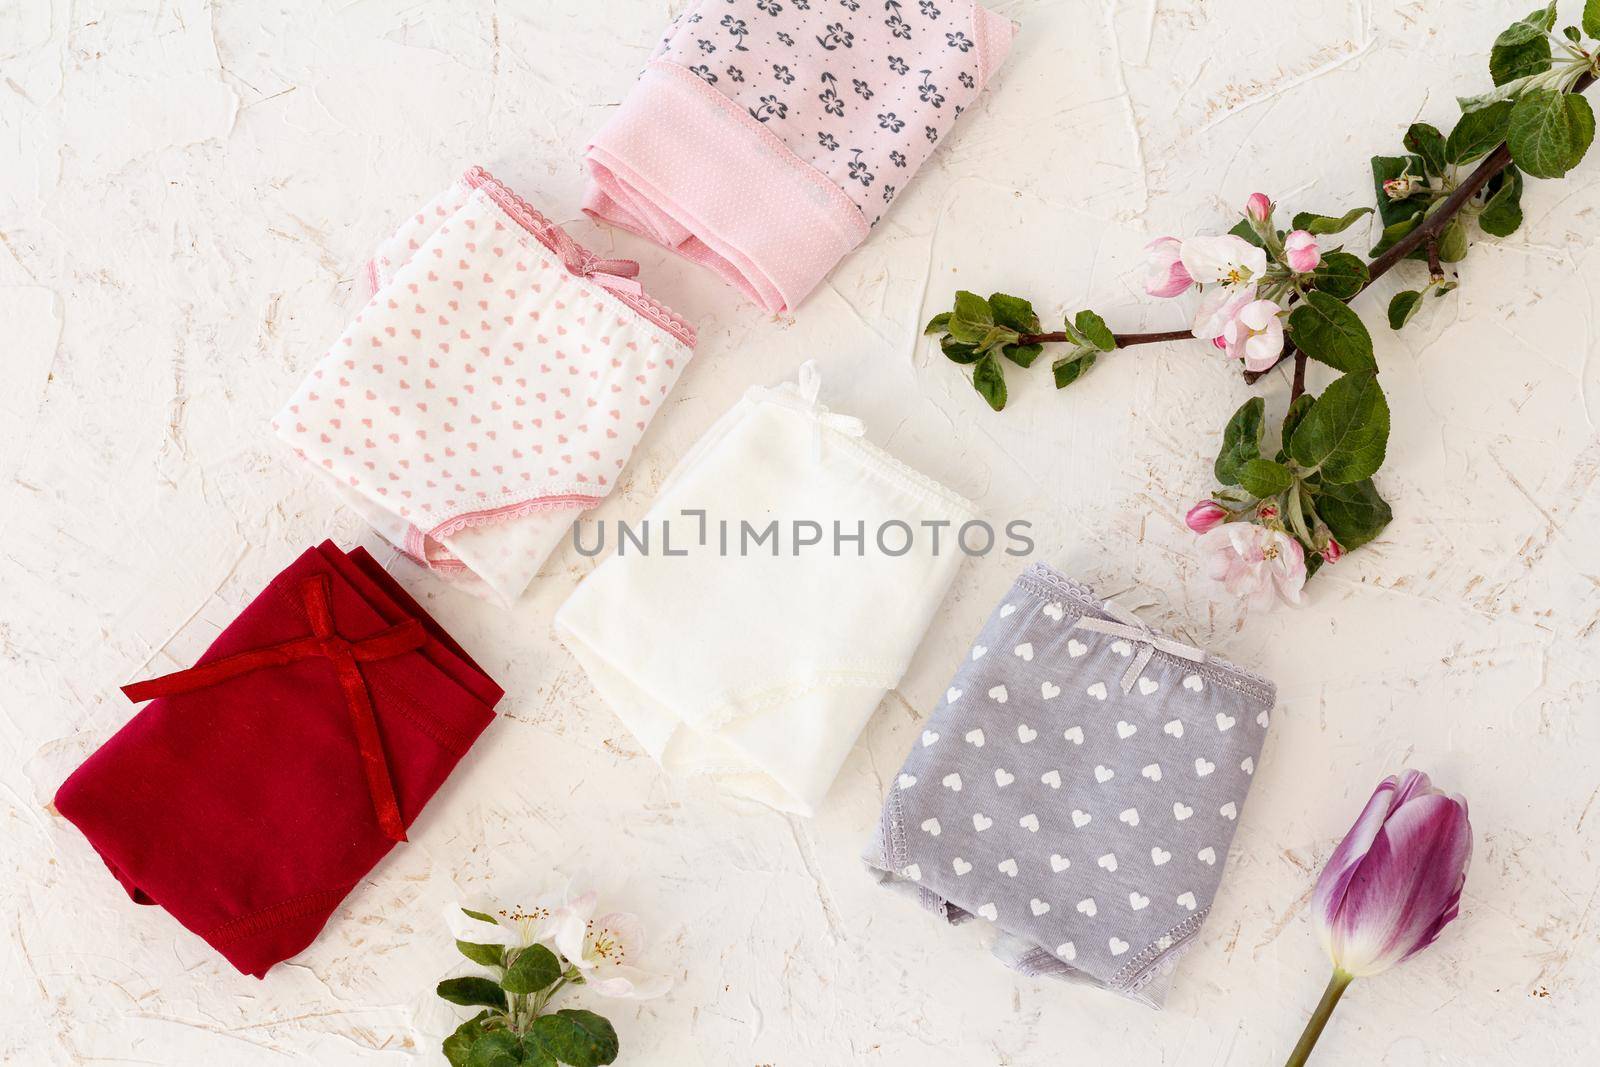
(488, 955)
(1014, 313)
(1402, 307)
(534, 968)
(1241, 440)
(1022, 355)
(1428, 144)
(1070, 368)
(1340, 274)
(940, 323)
(1354, 512)
(1246, 231)
(1478, 133)
(1325, 329)
(1326, 224)
(578, 1037)
(1392, 234)
(1550, 131)
(1345, 433)
(1265, 478)
(970, 307)
(1530, 27)
(480, 916)
(1591, 17)
(968, 333)
(1291, 418)
(990, 381)
(958, 352)
(1095, 331)
(458, 1046)
(996, 338)
(473, 992)
(1522, 49)
(500, 1048)
(1453, 242)
(1386, 168)
(1502, 212)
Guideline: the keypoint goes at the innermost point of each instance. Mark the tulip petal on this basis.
(1406, 889)
(1328, 897)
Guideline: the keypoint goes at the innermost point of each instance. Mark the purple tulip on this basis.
(1390, 887)
(1395, 880)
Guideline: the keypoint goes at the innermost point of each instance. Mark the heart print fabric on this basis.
(493, 388)
(1079, 801)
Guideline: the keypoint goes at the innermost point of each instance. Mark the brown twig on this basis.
(1299, 385)
(1123, 339)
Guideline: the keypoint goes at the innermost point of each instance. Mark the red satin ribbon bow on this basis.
(345, 656)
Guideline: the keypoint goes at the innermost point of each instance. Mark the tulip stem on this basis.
(1319, 1018)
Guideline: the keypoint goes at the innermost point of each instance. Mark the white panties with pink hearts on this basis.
(494, 386)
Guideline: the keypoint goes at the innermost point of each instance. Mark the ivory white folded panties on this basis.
(790, 577)
(493, 387)
(1077, 787)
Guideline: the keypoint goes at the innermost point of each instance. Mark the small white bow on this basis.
(810, 389)
(1130, 627)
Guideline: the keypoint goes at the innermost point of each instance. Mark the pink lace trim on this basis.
(507, 512)
(427, 549)
(539, 227)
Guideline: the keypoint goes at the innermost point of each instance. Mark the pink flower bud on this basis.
(1333, 553)
(1205, 515)
(1165, 274)
(1267, 512)
(1258, 207)
(1301, 251)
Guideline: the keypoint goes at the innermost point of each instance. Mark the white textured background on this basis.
(185, 190)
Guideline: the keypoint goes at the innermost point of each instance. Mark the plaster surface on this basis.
(186, 192)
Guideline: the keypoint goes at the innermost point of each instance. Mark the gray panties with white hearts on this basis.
(1078, 787)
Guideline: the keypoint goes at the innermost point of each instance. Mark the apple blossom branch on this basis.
(1269, 294)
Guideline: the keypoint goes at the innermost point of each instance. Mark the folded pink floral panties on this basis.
(766, 137)
(492, 388)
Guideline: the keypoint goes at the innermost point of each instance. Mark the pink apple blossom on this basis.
(1205, 515)
(1165, 275)
(1229, 267)
(1224, 259)
(1301, 252)
(1255, 335)
(1218, 307)
(1333, 553)
(1258, 207)
(1254, 563)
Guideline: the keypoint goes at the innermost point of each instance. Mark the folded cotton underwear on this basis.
(493, 387)
(792, 572)
(257, 788)
(764, 139)
(1078, 787)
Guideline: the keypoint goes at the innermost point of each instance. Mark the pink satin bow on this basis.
(618, 275)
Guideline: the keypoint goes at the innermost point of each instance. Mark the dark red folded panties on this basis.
(259, 786)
